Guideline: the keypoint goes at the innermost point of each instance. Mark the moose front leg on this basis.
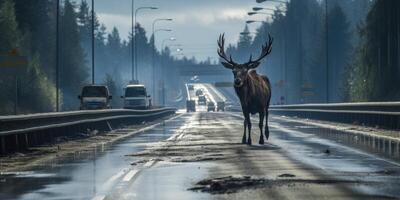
(247, 117)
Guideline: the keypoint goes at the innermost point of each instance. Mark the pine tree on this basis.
(74, 72)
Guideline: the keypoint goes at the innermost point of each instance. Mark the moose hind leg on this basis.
(260, 125)
(244, 132)
(266, 125)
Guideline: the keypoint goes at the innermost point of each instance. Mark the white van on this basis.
(136, 97)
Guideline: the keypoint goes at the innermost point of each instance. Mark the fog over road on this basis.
(200, 156)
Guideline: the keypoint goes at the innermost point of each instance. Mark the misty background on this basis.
(359, 41)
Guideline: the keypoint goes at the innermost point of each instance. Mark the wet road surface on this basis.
(166, 161)
(200, 156)
(83, 175)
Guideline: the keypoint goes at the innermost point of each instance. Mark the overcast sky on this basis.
(196, 25)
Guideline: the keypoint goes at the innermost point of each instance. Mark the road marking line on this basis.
(130, 175)
(115, 177)
(149, 163)
(99, 197)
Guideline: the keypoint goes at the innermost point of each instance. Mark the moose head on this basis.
(240, 70)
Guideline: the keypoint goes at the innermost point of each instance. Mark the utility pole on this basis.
(132, 50)
(57, 57)
(327, 51)
(92, 41)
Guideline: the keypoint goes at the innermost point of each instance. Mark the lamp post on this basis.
(279, 1)
(135, 28)
(153, 58)
(57, 57)
(257, 13)
(93, 42)
(162, 68)
(253, 21)
(327, 51)
(165, 40)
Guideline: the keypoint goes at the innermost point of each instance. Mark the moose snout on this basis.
(238, 82)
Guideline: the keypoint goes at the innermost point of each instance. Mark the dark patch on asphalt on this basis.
(233, 184)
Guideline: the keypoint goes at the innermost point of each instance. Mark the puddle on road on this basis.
(81, 175)
(169, 181)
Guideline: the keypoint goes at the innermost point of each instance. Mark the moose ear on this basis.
(252, 65)
(227, 65)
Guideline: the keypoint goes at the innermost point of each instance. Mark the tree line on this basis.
(30, 27)
(359, 39)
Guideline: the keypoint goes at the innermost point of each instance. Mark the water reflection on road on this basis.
(82, 175)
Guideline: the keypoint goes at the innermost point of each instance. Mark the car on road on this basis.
(94, 97)
(190, 106)
(136, 97)
(199, 92)
(210, 106)
(190, 87)
(202, 100)
(220, 106)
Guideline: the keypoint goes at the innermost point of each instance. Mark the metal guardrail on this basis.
(381, 114)
(22, 131)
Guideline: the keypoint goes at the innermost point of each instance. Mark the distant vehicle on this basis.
(136, 97)
(202, 100)
(210, 106)
(190, 106)
(95, 97)
(220, 106)
(190, 87)
(199, 92)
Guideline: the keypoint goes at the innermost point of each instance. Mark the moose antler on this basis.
(221, 51)
(266, 49)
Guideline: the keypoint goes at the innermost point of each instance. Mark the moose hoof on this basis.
(243, 140)
(267, 135)
(261, 142)
(249, 142)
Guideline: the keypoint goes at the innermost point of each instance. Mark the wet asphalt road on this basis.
(167, 160)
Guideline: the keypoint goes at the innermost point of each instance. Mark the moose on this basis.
(253, 90)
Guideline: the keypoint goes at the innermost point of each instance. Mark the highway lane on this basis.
(166, 161)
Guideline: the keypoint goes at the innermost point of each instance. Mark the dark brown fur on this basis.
(253, 90)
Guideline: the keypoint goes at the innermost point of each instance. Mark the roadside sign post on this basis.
(13, 65)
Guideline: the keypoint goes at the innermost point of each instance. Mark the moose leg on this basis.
(266, 124)
(247, 116)
(244, 132)
(260, 124)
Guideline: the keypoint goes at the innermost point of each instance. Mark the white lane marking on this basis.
(115, 177)
(180, 136)
(149, 163)
(220, 96)
(130, 175)
(99, 197)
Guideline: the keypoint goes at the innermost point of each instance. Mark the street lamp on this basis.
(153, 58)
(279, 1)
(165, 40)
(135, 48)
(253, 21)
(255, 13)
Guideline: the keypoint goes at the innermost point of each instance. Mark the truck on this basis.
(136, 97)
(94, 97)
